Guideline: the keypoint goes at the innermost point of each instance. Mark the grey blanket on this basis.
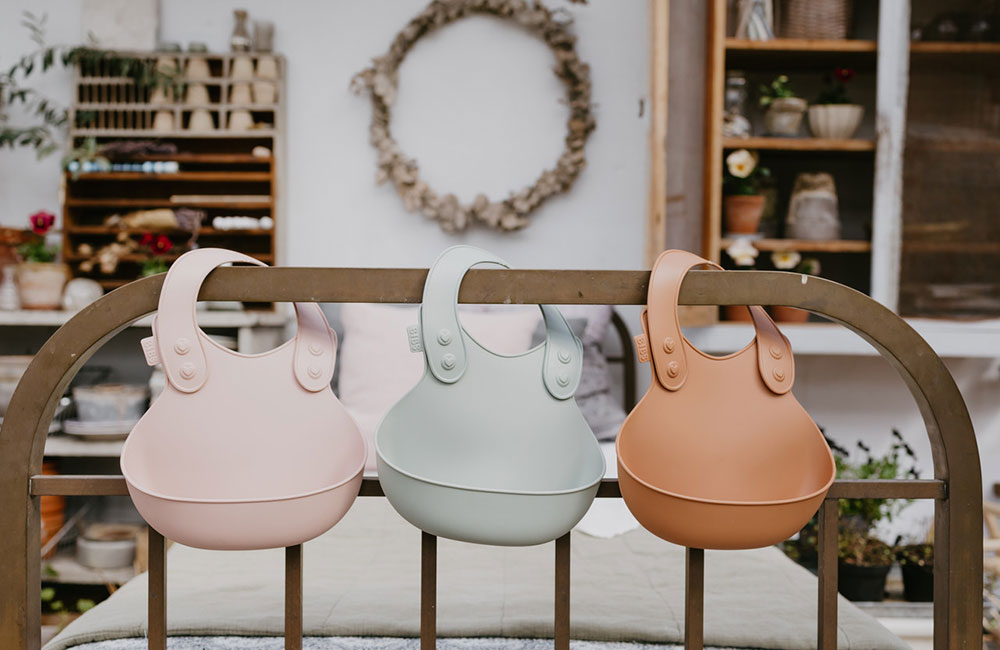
(362, 580)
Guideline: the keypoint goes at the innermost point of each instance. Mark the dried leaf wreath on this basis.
(381, 81)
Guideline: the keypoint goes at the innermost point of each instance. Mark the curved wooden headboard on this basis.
(956, 487)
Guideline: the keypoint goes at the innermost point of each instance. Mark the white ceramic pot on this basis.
(267, 67)
(161, 96)
(197, 69)
(239, 94)
(201, 120)
(80, 292)
(835, 121)
(784, 116)
(40, 285)
(12, 367)
(163, 121)
(264, 92)
(242, 69)
(110, 402)
(105, 553)
(240, 120)
(197, 95)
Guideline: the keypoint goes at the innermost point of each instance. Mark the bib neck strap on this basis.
(444, 340)
(665, 339)
(180, 343)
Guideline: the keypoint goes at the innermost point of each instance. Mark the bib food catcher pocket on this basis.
(487, 448)
(718, 454)
(240, 451)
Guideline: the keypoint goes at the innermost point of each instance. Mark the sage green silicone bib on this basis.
(487, 448)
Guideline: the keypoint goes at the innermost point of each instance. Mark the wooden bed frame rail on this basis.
(956, 488)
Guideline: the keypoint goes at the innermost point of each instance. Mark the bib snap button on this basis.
(779, 374)
(188, 371)
(563, 356)
(673, 369)
(444, 337)
(562, 379)
(448, 361)
(182, 346)
(668, 345)
(776, 352)
(314, 371)
(315, 349)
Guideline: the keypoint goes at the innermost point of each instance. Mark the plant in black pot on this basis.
(865, 559)
(917, 564)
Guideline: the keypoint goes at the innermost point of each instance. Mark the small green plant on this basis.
(55, 605)
(861, 549)
(896, 463)
(916, 555)
(743, 175)
(35, 249)
(51, 118)
(835, 90)
(777, 89)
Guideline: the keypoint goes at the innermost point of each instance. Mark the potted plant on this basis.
(864, 564)
(156, 247)
(792, 261)
(865, 560)
(743, 199)
(833, 114)
(917, 564)
(744, 256)
(40, 279)
(784, 108)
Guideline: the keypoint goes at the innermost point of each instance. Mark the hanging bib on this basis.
(718, 454)
(240, 451)
(487, 448)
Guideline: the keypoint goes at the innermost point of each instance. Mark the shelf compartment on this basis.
(806, 245)
(810, 53)
(206, 176)
(167, 203)
(855, 145)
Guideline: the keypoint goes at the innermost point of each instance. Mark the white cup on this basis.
(242, 69)
(197, 95)
(201, 120)
(240, 120)
(163, 121)
(264, 92)
(239, 94)
(197, 69)
(267, 67)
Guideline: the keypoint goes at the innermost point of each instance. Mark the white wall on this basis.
(478, 107)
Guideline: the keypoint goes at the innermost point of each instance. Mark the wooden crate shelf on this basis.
(799, 144)
(799, 53)
(793, 45)
(216, 165)
(806, 245)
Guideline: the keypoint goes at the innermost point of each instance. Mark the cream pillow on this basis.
(377, 367)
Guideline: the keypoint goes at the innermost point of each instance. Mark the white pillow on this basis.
(377, 367)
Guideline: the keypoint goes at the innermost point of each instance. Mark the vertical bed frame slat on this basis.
(428, 591)
(562, 593)
(694, 599)
(157, 584)
(293, 597)
(827, 572)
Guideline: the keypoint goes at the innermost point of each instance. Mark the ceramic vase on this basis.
(40, 285)
(784, 116)
(743, 213)
(835, 121)
(9, 300)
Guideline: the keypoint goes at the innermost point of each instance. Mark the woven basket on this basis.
(824, 19)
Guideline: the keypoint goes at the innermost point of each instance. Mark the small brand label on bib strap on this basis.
(642, 348)
(413, 334)
(149, 349)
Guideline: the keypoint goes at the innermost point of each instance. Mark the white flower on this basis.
(742, 252)
(741, 163)
(785, 260)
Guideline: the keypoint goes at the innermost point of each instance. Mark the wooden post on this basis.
(562, 593)
(157, 598)
(293, 597)
(694, 599)
(828, 552)
(428, 591)
(656, 201)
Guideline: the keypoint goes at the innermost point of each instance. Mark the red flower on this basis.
(146, 240)
(162, 245)
(41, 222)
(843, 74)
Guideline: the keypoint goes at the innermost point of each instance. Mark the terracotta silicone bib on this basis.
(718, 454)
(487, 448)
(240, 451)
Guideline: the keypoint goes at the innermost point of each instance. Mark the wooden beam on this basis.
(656, 202)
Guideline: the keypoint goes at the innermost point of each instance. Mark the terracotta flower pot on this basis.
(736, 313)
(743, 213)
(784, 116)
(784, 314)
(40, 285)
(836, 121)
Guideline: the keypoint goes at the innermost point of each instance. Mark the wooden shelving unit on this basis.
(215, 171)
(852, 162)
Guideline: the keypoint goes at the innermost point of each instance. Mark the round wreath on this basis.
(381, 81)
